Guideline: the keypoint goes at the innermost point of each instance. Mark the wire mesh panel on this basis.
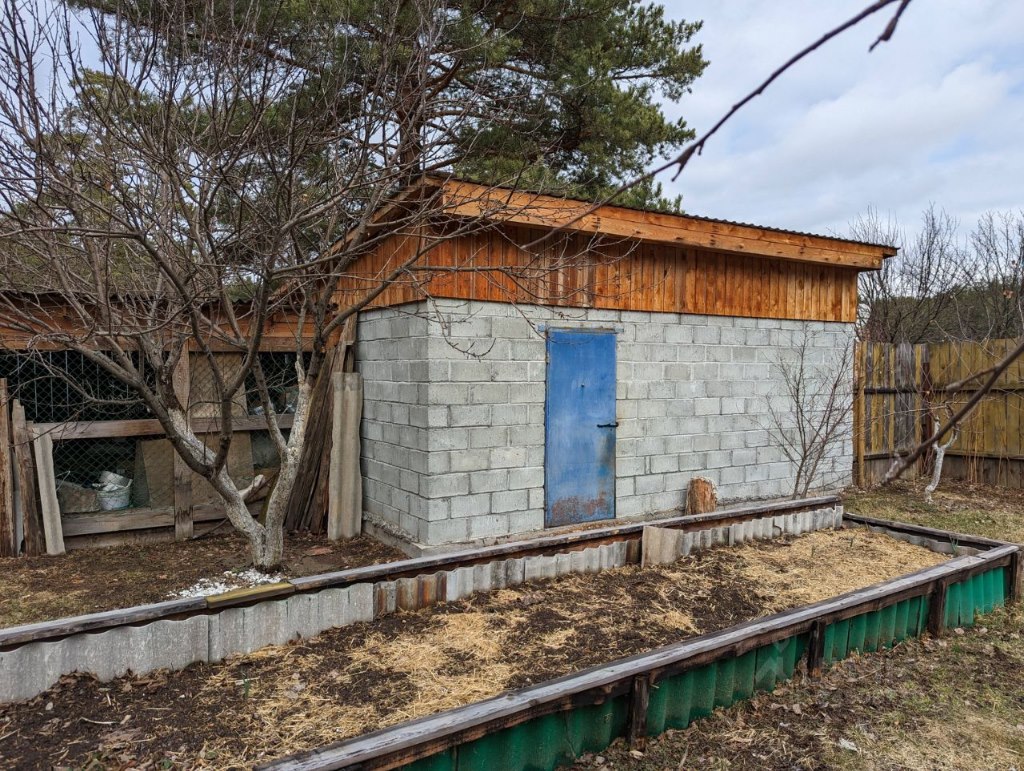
(123, 470)
(109, 474)
(60, 386)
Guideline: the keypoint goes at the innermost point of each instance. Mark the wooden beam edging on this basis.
(949, 536)
(426, 736)
(13, 637)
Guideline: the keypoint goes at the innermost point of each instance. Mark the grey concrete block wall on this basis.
(392, 355)
(692, 397)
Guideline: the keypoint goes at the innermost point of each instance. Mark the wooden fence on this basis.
(901, 389)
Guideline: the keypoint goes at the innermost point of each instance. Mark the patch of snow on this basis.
(232, 579)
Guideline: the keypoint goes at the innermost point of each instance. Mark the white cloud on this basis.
(932, 116)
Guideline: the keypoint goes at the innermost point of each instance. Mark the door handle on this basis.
(608, 425)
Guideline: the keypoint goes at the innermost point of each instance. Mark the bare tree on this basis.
(211, 173)
(912, 298)
(207, 176)
(991, 305)
(810, 421)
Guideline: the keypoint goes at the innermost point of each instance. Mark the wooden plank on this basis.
(948, 536)
(345, 497)
(182, 484)
(639, 700)
(42, 445)
(27, 500)
(104, 429)
(65, 627)
(474, 201)
(569, 540)
(134, 519)
(8, 520)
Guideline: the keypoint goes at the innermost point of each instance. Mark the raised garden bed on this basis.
(351, 680)
(34, 589)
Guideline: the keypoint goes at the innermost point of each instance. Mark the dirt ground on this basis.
(954, 703)
(348, 681)
(90, 580)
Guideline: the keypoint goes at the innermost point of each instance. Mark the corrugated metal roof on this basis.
(784, 231)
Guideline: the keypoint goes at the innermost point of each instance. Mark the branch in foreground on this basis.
(902, 464)
(697, 146)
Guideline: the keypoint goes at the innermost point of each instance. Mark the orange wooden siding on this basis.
(512, 264)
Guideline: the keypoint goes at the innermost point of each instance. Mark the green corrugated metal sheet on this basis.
(677, 700)
(878, 629)
(968, 599)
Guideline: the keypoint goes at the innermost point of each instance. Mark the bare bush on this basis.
(810, 421)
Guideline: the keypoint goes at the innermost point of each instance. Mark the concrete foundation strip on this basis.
(174, 634)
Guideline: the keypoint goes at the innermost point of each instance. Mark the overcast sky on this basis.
(935, 115)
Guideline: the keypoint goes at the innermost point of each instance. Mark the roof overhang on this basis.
(459, 198)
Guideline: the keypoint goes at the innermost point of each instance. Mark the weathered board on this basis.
(514, 263)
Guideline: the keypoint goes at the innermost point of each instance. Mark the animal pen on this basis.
(84, 463)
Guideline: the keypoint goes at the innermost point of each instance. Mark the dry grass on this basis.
(34, 589)
(954, 703)
(825, 564)
(927, 704)
(994, 512)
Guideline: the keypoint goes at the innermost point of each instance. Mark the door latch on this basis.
(608, 425)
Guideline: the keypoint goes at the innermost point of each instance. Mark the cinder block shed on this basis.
(545, 365)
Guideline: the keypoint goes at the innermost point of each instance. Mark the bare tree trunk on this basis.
(940, 456)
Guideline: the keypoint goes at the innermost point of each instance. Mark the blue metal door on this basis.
(579, 454)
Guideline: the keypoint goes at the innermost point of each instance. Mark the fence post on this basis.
(816, 649)
(1017, 575)
(937, 609)
(927, 419)
(181, 382)
(858, 411)
(639, 699)
(8, 527)
(27, 507)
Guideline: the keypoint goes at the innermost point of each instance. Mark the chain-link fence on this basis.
(110, 454)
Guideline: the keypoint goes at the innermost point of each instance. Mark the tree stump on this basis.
(701, 497)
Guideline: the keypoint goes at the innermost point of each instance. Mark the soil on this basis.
(352, 680)
(90, 580)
